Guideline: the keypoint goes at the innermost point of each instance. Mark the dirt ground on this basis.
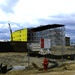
(68, 68)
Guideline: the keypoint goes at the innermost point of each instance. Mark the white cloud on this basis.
(3, 16)
(4, 26)
(5, 31)
(2, 1)
(1, 25)
(29, 11)
(72, 27)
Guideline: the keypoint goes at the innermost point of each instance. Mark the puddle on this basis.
(19, 67)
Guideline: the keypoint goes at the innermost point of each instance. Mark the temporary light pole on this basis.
(28, 55)
(10, 32)
(63, 44)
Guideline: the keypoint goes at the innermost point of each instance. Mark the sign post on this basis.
(28, 55)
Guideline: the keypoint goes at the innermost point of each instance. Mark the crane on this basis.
(10, 32)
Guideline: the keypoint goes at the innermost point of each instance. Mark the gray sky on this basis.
(32, 13)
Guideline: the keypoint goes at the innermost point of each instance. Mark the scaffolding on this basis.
(54, 32)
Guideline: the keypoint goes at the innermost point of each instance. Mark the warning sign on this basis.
(42, 43)
(45, 43)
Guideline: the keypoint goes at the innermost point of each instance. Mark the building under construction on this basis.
(55, 32)
(32, 36)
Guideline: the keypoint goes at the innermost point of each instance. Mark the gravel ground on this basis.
(18, 59)
(21, 59)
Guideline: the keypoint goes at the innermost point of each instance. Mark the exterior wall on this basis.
(19, 46)
(5, 47)
(13, 46)
(67, 41)
(20, 35)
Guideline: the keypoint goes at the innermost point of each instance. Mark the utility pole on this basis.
(10, 32)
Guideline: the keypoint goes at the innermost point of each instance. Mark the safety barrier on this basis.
(67, 56)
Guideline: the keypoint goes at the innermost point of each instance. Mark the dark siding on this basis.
(67, 41)
(13, 47)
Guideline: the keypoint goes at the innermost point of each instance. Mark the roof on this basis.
(20, 29)
(44, 27)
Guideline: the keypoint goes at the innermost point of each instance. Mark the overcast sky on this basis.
(32, 13)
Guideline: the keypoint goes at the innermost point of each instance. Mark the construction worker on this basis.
(45, 64)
